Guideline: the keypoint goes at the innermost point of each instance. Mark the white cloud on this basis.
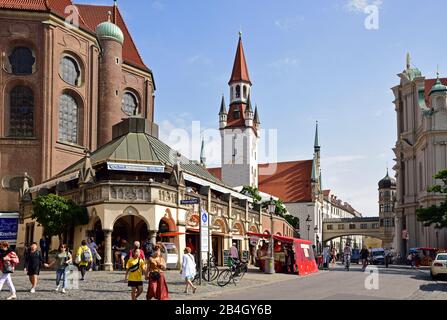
(286, 24)
(360, 5)
(199, 59)
(287, 61)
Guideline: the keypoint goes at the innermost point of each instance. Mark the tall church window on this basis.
(130, 104)
(245, 92)
(69, 71)
(231, 93)
(22, 61)
(21, 112)
(238, 92)
(68, 119)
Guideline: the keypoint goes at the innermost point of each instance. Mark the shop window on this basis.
(21, 112)
(22, 61)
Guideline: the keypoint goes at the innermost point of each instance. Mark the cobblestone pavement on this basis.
(103, 285)
(395, 283)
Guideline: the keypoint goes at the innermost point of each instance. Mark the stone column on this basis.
(153, 236)
(108, 261)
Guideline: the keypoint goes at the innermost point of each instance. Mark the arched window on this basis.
(68, 119)
(238, 92)
(231, 93)
(245, 92)
(69, 71)
(130, 104)
(22, 61)
(21, 112)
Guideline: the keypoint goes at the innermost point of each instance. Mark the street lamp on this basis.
(269, 267)
(308, 221)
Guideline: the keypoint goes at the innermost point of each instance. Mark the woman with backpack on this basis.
(135, 269)
(62, 260)
(33, 262)
(188, 271)
(84, 258)
(8, 261)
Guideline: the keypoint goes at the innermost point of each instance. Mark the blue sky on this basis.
(308, 60)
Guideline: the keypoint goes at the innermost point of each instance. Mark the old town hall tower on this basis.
(239, 128)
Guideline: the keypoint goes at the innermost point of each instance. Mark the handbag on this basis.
(98, 257)
(155, 276)
(8, 267)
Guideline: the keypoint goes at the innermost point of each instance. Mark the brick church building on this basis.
(63, 86)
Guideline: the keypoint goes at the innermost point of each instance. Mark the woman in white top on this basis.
(188, 271)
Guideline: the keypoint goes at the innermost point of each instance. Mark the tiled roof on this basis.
(90, 17)
(429, 83)
(94, 15)
(240, 70)
(291, 181)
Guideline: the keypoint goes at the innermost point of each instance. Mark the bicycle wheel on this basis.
(215, 273)
(244, 270)
(224, 278)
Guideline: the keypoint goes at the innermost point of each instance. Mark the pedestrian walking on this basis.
(44, 249)
(91, 244)
(334, 256)
(234, 252)
(188, 270)
(158, 289)
(33, 262)
(364, 254)
(326, 257)
(135, 269)
(8, 262)
(137, 246)
(62, 260)
(84, 258)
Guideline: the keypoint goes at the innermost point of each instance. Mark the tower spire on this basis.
(256, 119)
(240, 69)
(408, 61)
(317, 140)
(115, 11)
(223, 108)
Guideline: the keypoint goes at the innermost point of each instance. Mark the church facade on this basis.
(421, 152)
(63, 87)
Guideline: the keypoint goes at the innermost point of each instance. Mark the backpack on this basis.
(86, 255)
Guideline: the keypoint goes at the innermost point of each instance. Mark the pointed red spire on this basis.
(240, 70)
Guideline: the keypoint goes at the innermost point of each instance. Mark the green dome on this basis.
(110, 30)
(438, 87)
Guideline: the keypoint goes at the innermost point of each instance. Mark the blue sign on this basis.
(189, 201)
(135, 167)
(8, 229)
(204, 217)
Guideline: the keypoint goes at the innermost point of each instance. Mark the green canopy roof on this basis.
(142, 148)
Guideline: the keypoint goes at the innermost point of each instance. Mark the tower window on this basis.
(68, 119)
(21, 112)
(231, 93)
(22, 61)
(69, 71)
(238, 92)
(245, 92)
(237, 113)
(129, 104)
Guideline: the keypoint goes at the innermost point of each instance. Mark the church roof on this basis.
(90, 17)
(240, 69)
(290, 182)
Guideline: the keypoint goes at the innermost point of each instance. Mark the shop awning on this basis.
(171, 234)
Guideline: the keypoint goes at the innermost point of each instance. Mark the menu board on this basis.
(226, 257)
(245, 255)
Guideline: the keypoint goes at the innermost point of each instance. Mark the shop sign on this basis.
(135, 167)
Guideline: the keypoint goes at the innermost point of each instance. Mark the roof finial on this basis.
(115, 3)
(437, 71)
(240, 34)
(408, 61)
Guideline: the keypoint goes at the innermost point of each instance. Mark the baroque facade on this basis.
(63, 87)
(421, 152)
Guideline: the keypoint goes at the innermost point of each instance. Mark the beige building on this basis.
(421, 152)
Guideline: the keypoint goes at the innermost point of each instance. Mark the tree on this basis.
(57, 214)
(436, 215)
(293, 221)
(252, 192)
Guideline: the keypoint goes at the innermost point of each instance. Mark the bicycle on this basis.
(234, 273)
(214, 271)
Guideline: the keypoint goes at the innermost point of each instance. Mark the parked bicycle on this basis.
(213, 274)
(235, 272)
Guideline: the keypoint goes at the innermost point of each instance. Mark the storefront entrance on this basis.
(217, 245)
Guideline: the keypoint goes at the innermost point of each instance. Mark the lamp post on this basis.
(270, 267)
(308, 221)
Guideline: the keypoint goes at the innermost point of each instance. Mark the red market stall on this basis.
(304, 257)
